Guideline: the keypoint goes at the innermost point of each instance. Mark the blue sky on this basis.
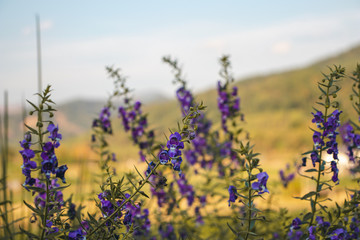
(79, 38)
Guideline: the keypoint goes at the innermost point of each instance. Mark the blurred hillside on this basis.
(277, 109)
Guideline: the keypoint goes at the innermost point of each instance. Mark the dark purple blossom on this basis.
(312, 233)
(314, 157)
(232, 194)
(199, 220)
(72, 211)
(286, 179)
(303, 161)
(167, 232)
(335, 170)
(317, 138)
(50, 228)
(60, 172)
(186, 190)
(77, 235)
(318, 118)
(150, 168)
(339, 234)
(295, 224)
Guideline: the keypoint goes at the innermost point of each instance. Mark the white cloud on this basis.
(281, 47)
(80, 64)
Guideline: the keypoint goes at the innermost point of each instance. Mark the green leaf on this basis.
(142, 193)
(311, 170)
(34, 106)
(35, 210)
(307, 216)
(232, 229)
(308, 195)
(32, 130)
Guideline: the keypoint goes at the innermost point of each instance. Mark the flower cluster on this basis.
(55, 196)
(27, 154)
(80, 233)
(186, 190)
(173, 152)
(199, 142)
(133, 119)
(329, 130)
(351, 140)
(228, 104)
(185, 98)
(49, 163)
(167, 232)
(104, 120)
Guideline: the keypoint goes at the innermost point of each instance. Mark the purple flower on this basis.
(60, 172)
(54, 134)
(50, 228)
(335, 171)
(232, 194)
(137, 106)
(339, 234)
(107, 207)
(150, 168)
(175, 141)
(295, 224)
(199, 220)
(318, 142)
(318, 118)
(261, 184)
(203, 200)
(177, 164)
(314, 157)
(286, 179)
(312, 233)
(77, 235)
(163, 157)
(186, 190)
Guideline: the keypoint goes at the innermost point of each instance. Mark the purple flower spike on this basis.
(232, 194)
(261, 184)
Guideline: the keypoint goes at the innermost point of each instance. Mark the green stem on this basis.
(40, 126)
(313, 207)
(126, 201)
(250, 201)
(46, 209)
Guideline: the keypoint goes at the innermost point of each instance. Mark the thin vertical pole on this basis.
(38, 45)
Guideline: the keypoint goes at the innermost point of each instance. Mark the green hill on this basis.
(277, 109)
